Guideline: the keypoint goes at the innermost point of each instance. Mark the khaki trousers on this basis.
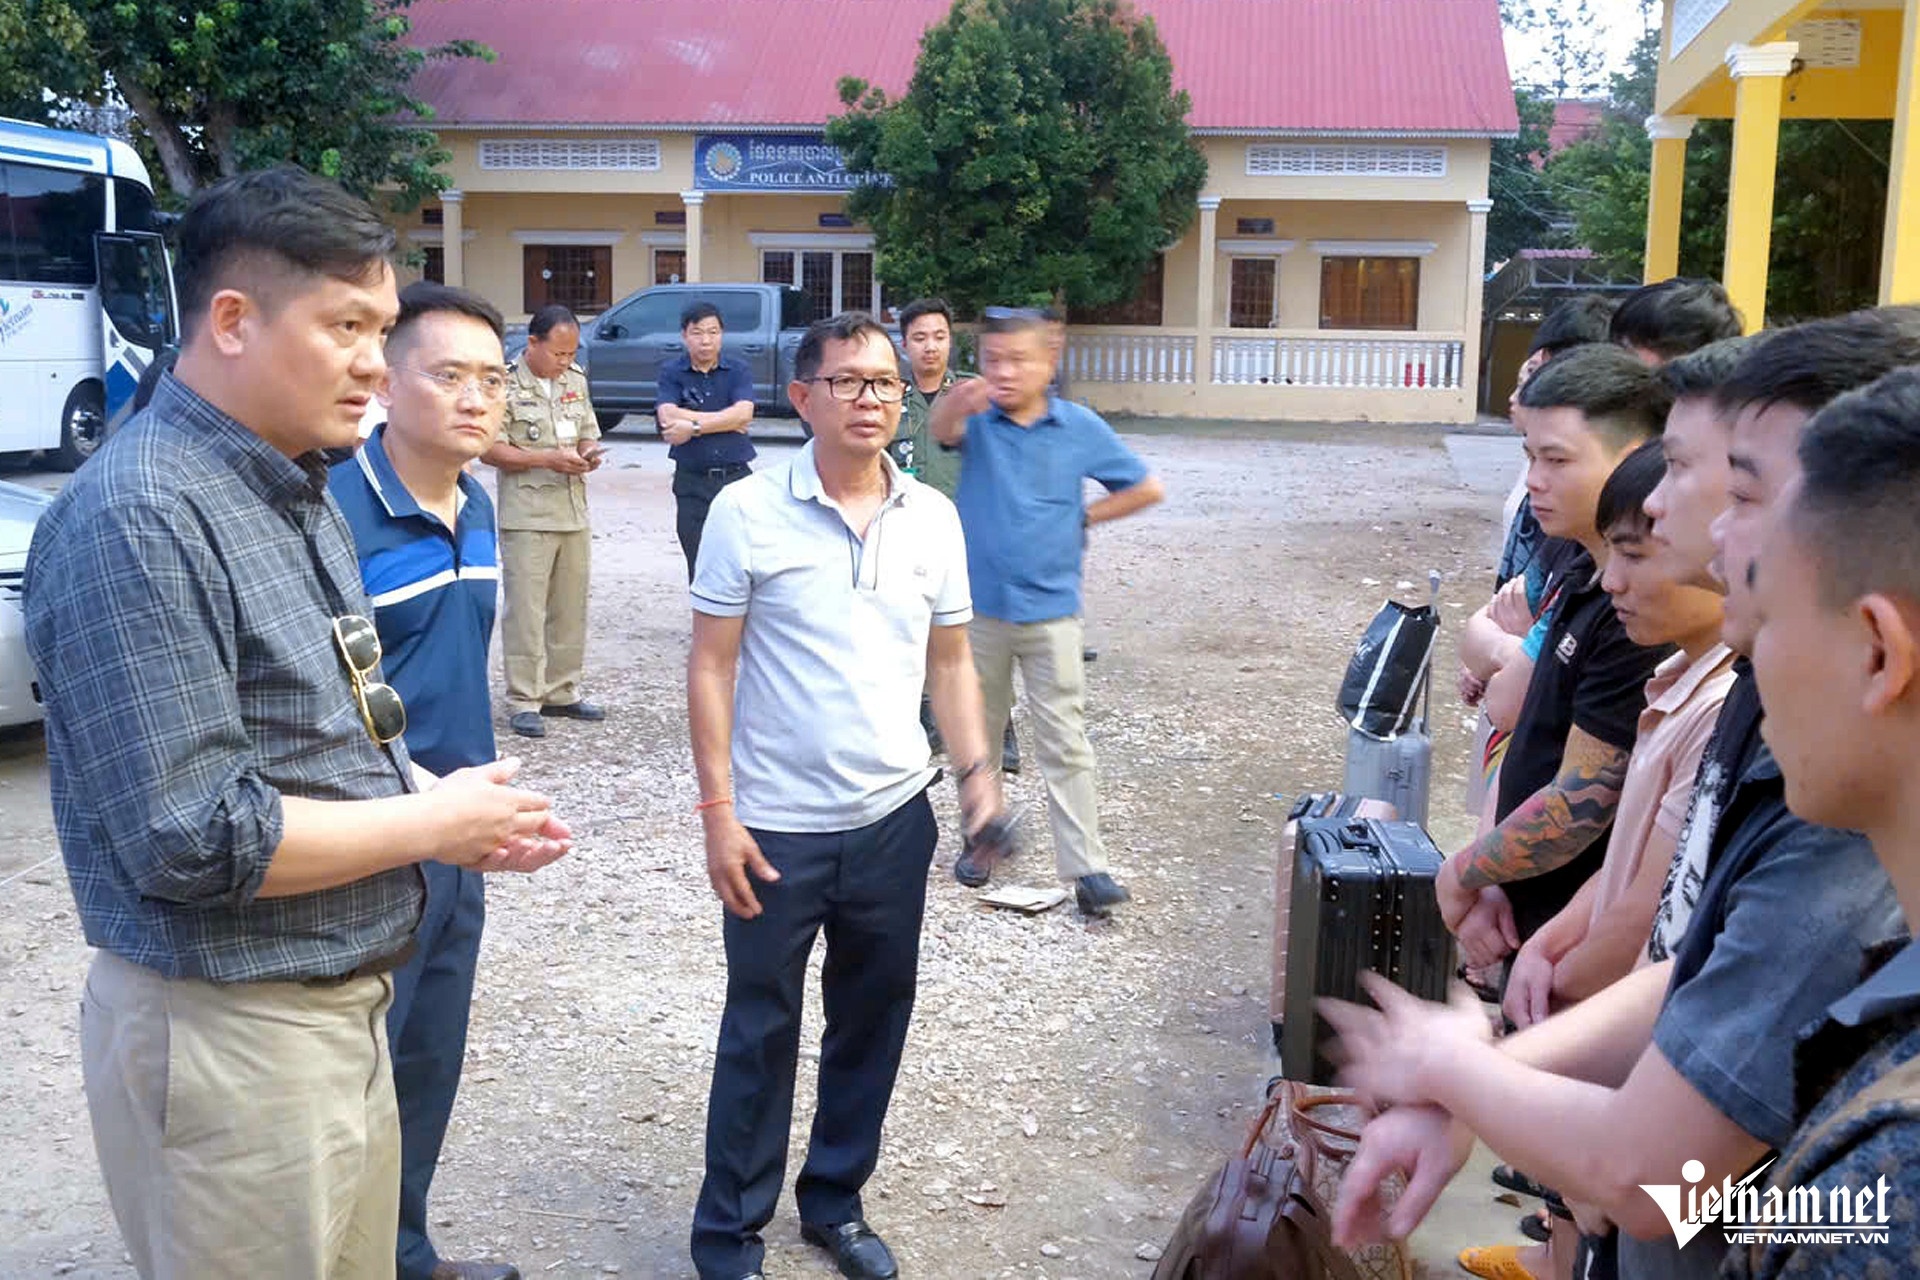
(245, 1129)
(544, 634)
(1049, 656)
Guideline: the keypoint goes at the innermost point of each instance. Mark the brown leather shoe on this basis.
(444, 1270)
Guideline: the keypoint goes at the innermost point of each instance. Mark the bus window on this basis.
(133, 208)
(54, 214)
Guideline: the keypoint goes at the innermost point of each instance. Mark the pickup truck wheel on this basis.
(608, 418)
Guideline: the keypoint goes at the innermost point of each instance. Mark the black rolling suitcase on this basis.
(1362, 899)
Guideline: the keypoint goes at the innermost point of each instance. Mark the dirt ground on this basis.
(1066, 1085)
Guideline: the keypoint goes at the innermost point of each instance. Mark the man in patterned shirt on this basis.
(239, 817)
(1836, 590)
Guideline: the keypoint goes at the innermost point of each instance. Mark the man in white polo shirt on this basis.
(826, 592)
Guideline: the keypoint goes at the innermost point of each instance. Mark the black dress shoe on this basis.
(982, 851)
(1099, 893)
(1009, 752)
(856, 1250)
(582, 710)
(444, 1270)
(527, 724)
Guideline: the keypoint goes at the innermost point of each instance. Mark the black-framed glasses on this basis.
(380, 707)
(492, 385)
(851, 386)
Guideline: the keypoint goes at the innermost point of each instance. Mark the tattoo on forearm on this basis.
(1555, 824)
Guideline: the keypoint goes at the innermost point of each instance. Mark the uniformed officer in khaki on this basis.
(551, 442)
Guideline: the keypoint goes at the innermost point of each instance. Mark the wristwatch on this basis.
(696, 428)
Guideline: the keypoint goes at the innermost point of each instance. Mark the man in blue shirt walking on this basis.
(704, 406)
(1025, 455)
(423, 530)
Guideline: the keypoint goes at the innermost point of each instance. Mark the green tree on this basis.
(1527, 211)
(44, 45)
(219, 86)
(1830, 181)
(1040, 153)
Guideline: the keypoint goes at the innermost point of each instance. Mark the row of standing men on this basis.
(271, 745)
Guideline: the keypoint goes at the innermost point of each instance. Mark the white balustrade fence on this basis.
(1129, 357)
(1358, 363)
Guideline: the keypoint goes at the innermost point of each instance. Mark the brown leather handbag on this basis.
(1259, 1218)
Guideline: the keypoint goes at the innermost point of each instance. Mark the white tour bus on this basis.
(86, 291)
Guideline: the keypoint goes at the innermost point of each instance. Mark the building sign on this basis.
(771, 162)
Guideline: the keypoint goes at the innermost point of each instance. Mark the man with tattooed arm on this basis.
(1581, 415)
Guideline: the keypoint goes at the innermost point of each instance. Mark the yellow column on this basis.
(453, 263)
(1900, 251)
(1759, 75)
(1666, 193)
(696, 202)
(1203, 290)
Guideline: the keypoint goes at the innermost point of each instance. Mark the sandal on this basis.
(1495, 1262)
(1535, 1227)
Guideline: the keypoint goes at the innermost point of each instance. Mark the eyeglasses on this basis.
(491, 386)
(849, 386)
(380, 707)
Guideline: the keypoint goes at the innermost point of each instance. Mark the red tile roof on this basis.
(1574, 120)
(1282, 66)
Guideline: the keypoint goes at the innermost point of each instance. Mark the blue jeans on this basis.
(427, 1029)
(868, 890)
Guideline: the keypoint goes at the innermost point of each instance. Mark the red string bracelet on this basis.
(705, 805)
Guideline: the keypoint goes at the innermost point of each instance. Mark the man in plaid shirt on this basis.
(238, 814)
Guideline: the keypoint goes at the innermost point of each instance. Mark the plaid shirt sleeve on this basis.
(142, 665)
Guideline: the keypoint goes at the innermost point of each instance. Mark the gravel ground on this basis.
(1066, 1084)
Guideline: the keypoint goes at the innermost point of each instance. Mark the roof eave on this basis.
(809, 126)
(1229, 132)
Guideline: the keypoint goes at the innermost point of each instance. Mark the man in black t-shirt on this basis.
(1561, 780)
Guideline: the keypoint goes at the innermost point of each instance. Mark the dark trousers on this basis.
(867, 889)
(427, 1037)
(694, 489)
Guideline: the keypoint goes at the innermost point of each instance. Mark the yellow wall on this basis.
(674, 175)
(1443, 273)
(1468, 160)
(1704, 58)
(1865, 92)
(493, 257)
(731, 217)
(1278, 404)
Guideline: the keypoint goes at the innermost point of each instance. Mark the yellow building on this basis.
(1759, 61)
(1333, 269)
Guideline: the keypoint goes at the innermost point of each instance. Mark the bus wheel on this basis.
(83, 425)
(608, 418)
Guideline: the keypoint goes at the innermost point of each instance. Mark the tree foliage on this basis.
(1040, 153)
(220, 86)
(1830, 184)
(1526, 213)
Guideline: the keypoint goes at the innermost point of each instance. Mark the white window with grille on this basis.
(1690, 18)
(630, 155)
(1315, 159)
